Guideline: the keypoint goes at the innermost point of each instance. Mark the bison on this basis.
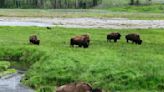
(81, 41)
(135, 38)
(77, 87)
(34, 40)
(48, 27)
(113, 36)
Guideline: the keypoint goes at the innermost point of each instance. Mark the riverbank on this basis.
(11, 83)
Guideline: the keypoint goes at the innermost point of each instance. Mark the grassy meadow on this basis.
(155, 8)
(146, 12)
(112, 66)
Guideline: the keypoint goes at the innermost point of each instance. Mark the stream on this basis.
(11, 83)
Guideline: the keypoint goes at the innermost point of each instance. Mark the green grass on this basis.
(4, 68)
(4, 65)
(156, 8)
(116, 3)
(78, 13)
(118, 66)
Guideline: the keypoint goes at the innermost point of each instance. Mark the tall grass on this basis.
(156, 8)
(119, 3)
(110, 66)
(139, 13)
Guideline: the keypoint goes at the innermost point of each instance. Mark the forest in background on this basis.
(52, 4)
(73, 4)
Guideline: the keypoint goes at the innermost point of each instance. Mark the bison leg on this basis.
(127, 40)
(72, 43)
(115, 40)
(85, 45)
(80, 45)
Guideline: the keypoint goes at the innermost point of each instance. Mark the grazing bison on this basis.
(82, 40)
(113, 36)
(135, 38)
(34, 40)
(77, 87)
(48, 27)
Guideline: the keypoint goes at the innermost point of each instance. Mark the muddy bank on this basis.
(11, 83)
(114, 23)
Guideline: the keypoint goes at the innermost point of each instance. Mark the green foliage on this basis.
(111, 66)
(7, 71)
(4, 68)
(156, 8)
(51, 4)
(4, 65)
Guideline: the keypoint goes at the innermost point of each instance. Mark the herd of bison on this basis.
(83, 40)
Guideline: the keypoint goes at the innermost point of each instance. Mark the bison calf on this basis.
(135, 38)
(113, 36)
(77, 87)
(34, 40)
(81, 41)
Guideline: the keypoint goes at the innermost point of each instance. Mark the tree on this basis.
(39, 3)
(149, 1)
(49, 3)
(2, 3)
(137, 2)
(131, 2)
(95, 2)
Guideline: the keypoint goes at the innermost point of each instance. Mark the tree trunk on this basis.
(2, 4)
(131, 2)
(138, 2)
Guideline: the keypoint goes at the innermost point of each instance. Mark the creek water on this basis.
(11, 83)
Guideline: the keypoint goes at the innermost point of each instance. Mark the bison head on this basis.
(119, 35)
(139, 42)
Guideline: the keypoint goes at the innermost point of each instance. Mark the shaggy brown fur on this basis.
(81, 41)
(76, 87)
(34, 40)
(113, 36)
(135, 38)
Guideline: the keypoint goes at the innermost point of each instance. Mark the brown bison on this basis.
(135, 38)
(34, 40)
(81, 41)
(77, 87)
(113, 36)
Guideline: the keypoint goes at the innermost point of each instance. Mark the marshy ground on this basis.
(111, 66)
